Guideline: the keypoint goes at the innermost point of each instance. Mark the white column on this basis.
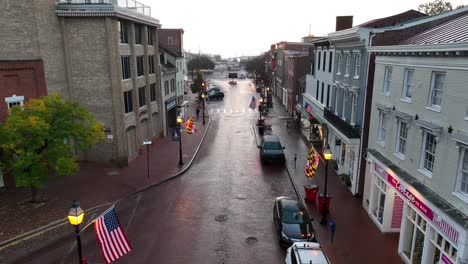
(353, 107)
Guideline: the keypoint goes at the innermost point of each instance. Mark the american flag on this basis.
(308, 108)
(111, 237)
(253, 103)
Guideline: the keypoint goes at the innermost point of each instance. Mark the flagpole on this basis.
(103, 213)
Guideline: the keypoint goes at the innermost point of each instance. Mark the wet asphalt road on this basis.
(176, 222)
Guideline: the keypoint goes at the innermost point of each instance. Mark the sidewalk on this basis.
(97, 184)
(356, 239)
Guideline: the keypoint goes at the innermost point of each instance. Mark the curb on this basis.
(58, 223)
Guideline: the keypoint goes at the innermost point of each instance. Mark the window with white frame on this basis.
(337, 97)
(339, 61)
(348, 63)
(413, 236)
(357, 64)
(387, 80)
(382, 128)
(462, 184)
(402, 137)
(343, 108)
(437, 90)
(428, 151)
(408, 85)
(441, 247)
(169, 40)
(166, 87)
(14, 100)
(378, 199)
(353, 109)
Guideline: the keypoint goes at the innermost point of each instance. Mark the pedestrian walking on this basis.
(197, 112)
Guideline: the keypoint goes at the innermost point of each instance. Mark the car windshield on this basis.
(293, 217)
(272, 145)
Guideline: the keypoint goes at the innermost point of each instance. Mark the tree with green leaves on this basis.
(197, 84)
(200, 62)
(437, 7)
(37, 140)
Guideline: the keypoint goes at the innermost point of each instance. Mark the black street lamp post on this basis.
(147, 143)
(327, 154)
(203, 98)
(75, 217)
(179, 121)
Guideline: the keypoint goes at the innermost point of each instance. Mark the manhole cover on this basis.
(241, 197)
(251, 240)
(221, 218)
(112, 173)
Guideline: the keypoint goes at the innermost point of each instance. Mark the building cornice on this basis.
(68, 10)
(461, 48)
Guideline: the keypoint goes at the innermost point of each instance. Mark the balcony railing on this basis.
(128, 4)
(345, 128)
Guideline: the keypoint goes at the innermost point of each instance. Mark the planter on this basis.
(345, 179)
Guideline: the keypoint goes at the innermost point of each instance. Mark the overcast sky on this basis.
(249, 27)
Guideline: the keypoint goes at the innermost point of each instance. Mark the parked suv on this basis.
(306, 253)
(271, 149)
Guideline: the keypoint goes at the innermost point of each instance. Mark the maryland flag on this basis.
(190, 126)
(311, 163)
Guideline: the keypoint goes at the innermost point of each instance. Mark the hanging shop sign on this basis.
(170, 105)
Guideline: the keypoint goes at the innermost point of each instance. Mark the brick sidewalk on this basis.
(97, 184)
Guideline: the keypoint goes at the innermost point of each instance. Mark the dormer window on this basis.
(14, 100)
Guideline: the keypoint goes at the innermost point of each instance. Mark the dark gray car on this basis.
(292, 222)
(271, 149)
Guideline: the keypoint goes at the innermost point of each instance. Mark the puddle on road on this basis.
(251, 240)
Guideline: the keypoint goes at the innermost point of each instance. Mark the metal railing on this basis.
(129, 4)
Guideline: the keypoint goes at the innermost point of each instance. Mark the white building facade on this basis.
(417, 161)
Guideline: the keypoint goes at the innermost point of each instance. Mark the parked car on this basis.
(271, 149)
(215, 95)
(306, 252)
(292, 222)
(232, 82)
(213, 89)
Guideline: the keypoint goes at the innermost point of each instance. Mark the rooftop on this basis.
(127, 9)
(453, 31)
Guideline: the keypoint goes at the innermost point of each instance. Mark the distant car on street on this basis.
(232, 82)
(292, 222)
(215, 95)
(271, 149)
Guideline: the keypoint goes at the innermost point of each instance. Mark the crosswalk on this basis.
(232, 111)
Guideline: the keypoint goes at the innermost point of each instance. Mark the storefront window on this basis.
(343, 154)
(441, 248)
(378, 199)
(413, 240)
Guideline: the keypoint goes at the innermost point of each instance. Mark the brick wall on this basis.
(21, 78)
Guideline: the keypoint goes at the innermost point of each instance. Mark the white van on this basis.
(306, 253)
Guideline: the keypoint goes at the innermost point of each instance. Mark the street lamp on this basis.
(179, 122)
(203, 99)
(147, 143)
(75, 217)
(328, 155)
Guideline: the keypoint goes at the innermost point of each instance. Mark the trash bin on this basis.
(311, 192)
(320, 202)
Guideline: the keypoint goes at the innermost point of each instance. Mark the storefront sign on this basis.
(441, 224)
(170, 105)
(446, 260)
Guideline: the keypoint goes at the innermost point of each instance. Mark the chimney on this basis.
(344, 22)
